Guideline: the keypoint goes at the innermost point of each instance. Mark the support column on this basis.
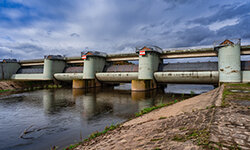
(229, 63)
(149, 61)
(143, 85)
(78, 84)
(85, 83)
(53, 64)
(93, 62)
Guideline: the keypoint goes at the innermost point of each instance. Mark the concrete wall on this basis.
(7, 70)
(68, 76)
(117, 77)
(37, 77)
(203, 77)
(246, 76)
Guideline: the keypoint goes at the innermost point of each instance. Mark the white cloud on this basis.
(63, 27)
(11, 13)
(220, 24)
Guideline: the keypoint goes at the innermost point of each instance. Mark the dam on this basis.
(149, 71)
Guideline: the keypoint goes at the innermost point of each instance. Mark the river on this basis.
(60, 117)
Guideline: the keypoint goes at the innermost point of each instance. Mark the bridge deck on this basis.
(167, 54)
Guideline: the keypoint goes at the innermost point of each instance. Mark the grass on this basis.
(162, 118)
(7, 90)
(179, 138)
(50, 86)
(233, 86)
(218, 146)
(94, 135)
(182, 95)
(226, 92)
(158, 139)
(54, 86)
(209, 107)
(72, 146)
(200, 137)
(192, 93)
(182, 128)
(238, 84)
(149, 109)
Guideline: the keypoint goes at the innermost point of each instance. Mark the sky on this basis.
(33, 28)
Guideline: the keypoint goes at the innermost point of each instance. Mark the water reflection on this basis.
(144, 99)
(54, 100)
(65, 114)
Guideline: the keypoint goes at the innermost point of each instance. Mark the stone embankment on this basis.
(213, 120)
(10, 86)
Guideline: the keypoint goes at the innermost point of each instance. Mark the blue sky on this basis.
(33, 28)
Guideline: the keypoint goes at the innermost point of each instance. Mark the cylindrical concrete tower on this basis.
(149, 61)
(47, 68)
(229, 63)
(92, 65)
(93, 62)
(53, 64)
(148, 64)
(89, 68)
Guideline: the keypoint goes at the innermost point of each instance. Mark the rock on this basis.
(213, 138)
(239, 141)
(240, 136)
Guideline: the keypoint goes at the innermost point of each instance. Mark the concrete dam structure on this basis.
(95, 68)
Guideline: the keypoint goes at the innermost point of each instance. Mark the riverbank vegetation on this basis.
(94, 135)
(10, 87)
(235, 91)
(5, 90)
(149, 109)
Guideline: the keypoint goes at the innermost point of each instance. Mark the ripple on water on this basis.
(59, 115)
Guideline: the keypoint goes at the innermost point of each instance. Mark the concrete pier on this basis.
(143, 85)
(94, 62)
(85, 83)
(149, 61)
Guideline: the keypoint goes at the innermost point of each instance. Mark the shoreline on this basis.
(196, 131)
(8, 87)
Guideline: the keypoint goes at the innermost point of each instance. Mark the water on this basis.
(65, 116)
